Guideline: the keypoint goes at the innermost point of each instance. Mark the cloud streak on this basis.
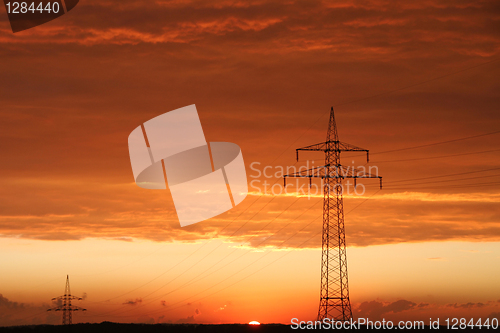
(126, 212)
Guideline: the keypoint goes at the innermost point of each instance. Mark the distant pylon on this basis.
(334, 300)
(66, 307)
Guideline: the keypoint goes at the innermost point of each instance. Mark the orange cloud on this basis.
(264, 74)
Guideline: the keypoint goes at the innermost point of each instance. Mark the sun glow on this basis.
(254, 323)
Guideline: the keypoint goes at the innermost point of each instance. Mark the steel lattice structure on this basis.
(334, 296)
(66, 307)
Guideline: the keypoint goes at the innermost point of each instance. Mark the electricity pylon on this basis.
(334, 296)
(66, 306)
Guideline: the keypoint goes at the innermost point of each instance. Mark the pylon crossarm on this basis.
(78, 309)
(312, 172)
(327, 146)
(349, 172)
(354, 173)
(338, 172)
(315, 147)
(348, 147)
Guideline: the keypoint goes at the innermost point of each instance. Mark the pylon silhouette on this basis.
(66, 307)
(334, 300)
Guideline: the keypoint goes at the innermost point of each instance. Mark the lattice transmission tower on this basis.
(334, 300)
(65, 306)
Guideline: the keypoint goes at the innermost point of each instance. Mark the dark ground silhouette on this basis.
(107, 327)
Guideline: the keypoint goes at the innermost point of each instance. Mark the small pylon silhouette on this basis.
(66, 307)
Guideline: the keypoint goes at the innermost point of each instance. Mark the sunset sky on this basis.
(415, 82)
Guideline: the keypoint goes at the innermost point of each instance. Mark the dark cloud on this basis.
(188, 320)
(404, 309)
(375, 309)
(133, 302)
(16, 313)
(5, 303)
(466, 305)
(494, 315)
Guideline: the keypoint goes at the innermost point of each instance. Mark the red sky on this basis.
(263, 74)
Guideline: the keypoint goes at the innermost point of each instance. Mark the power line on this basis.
(450, 180)
(309, 239)
(181, 261)
(435, 157)
(446, 186)
(441, 176)
(213, 265)
(434, 182)
(390, 92)
(239, 257)
(223, 257)
(431, 144)
(201, 258)
(435, 143)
